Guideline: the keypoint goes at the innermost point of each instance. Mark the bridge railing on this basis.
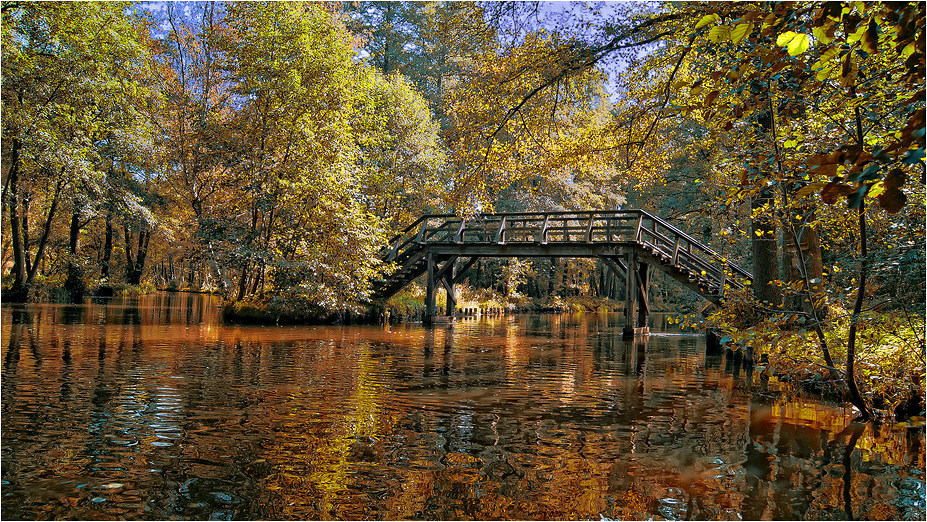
(619, 226)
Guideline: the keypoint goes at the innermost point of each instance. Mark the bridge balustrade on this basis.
(625, 239)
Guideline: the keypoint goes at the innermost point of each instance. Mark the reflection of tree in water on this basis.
(483, 422)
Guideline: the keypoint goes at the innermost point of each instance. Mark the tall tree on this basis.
(71, 80)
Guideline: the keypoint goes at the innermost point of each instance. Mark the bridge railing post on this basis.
(458, 237)
(500, 235)
(543, 235)
(420, 237)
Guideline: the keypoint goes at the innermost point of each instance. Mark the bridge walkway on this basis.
(443, 246)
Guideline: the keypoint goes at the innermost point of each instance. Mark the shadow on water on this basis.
(149, 407)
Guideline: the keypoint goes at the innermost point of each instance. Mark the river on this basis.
(151, 408)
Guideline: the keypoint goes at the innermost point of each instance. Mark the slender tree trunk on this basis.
(258, 276)
(855, 397)
(12, 205)
(43, 241)
(27, 200)
(107, 248)
(388, 18)
(75, 282)
(130, 262)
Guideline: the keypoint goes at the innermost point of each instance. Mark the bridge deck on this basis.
(619, 237)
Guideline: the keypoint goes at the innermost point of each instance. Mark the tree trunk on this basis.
(855, 397)
(765, 250)
(810, 243)
(43, 241)
(25, 225)
(107, 249)
(135, 270)
(12, 204)
(242, 282)
(74, 284)
(130, 262)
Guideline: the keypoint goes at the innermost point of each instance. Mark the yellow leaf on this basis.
(825, 73)
(876, 190)
(706, 20)
(786, 37)
(798, 45)
(826, 57)
(856, 36)
(820, 34)
(740, 32)
(810, 189)
(720, 33)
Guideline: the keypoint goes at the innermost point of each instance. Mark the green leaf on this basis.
(707, 20)
(913, 156)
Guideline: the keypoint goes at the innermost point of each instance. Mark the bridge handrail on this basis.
(418, 231)
(697, 244)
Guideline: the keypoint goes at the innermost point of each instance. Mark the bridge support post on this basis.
(630, 295)
(429, 289)
(435, 275)
(637, 303)
(448, 280)
(643, 298)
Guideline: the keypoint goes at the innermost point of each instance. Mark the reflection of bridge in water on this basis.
(443, 247)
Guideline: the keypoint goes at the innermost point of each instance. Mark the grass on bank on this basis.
(890, 352)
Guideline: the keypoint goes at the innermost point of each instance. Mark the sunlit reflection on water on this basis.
(151, 408)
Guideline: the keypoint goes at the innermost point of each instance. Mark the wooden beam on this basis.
(440, 274)
(630, 296)
(450, 305)
(430, 288)
(642, 276)
(500, 235)
(543, 238)
(458, 237)
(463, 270)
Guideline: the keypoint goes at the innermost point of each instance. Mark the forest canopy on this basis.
(267, 151)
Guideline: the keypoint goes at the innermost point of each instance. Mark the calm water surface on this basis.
(151, 408)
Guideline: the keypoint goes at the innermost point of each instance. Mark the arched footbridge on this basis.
(629, 242)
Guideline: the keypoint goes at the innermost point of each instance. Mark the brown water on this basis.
(151, 408)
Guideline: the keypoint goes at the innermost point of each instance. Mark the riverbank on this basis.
(890, 358)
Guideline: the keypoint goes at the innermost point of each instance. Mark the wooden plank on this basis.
(463, 270)
(430, 286)
(448, 266)
(421, 233)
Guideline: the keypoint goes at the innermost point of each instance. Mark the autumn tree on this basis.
(72, 91)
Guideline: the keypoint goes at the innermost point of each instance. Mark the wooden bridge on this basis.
(444, 246)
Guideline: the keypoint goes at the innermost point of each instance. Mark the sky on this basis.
(585, 20)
